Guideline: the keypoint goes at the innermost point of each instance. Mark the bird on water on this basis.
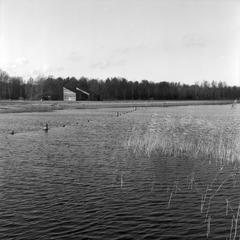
(12, 132)
(46, 128)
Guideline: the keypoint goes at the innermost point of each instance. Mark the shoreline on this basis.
(11, 106)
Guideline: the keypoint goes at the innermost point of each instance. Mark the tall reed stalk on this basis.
(188, 136)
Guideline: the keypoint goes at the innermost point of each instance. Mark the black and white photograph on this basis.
(119, 119)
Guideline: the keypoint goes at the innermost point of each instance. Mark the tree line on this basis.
(116, 88)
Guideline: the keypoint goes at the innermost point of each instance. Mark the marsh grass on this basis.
(196, 137)
(170, 135)
(18, 106)
(220, 182)
(29, 107)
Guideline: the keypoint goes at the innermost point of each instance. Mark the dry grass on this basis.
(7, 106)
(27, 106)
(189, 135)
(197, 136)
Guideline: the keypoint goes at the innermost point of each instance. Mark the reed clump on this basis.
(191, 136)
(215, 138)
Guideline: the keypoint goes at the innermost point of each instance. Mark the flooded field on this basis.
(96, 175)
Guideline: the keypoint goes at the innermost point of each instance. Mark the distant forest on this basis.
(116, 88)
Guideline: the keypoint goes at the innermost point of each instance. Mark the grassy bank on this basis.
(46, 106)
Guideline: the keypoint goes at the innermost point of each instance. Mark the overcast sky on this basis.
(157, 40)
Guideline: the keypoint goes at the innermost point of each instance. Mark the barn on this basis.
(69, 95)
(76, 95)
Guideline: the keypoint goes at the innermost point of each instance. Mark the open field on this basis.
(47, 106)
(153, 173)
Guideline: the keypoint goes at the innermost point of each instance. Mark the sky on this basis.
(185, 41)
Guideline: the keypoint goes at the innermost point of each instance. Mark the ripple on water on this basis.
(78, 181)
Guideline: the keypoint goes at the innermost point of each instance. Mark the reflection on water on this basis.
(79, 182)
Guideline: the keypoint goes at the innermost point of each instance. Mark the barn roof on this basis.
(68, 90)
(84, 92)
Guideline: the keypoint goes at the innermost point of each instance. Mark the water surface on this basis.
(78, 181)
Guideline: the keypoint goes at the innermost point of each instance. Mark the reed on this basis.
(188, 136)
(169, 201)
(121, 180)
(198, 138)
(236, 223)
(214, 194)
(208, 226)
(203, 200)
(227, 206)
(231, 229)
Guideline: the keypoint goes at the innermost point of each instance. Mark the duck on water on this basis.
(46, 128)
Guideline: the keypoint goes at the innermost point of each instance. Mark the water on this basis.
(80, 182)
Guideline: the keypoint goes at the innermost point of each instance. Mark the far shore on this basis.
(14, 106)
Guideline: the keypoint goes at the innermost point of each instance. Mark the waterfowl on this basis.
(12, 132)
(45, 128)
